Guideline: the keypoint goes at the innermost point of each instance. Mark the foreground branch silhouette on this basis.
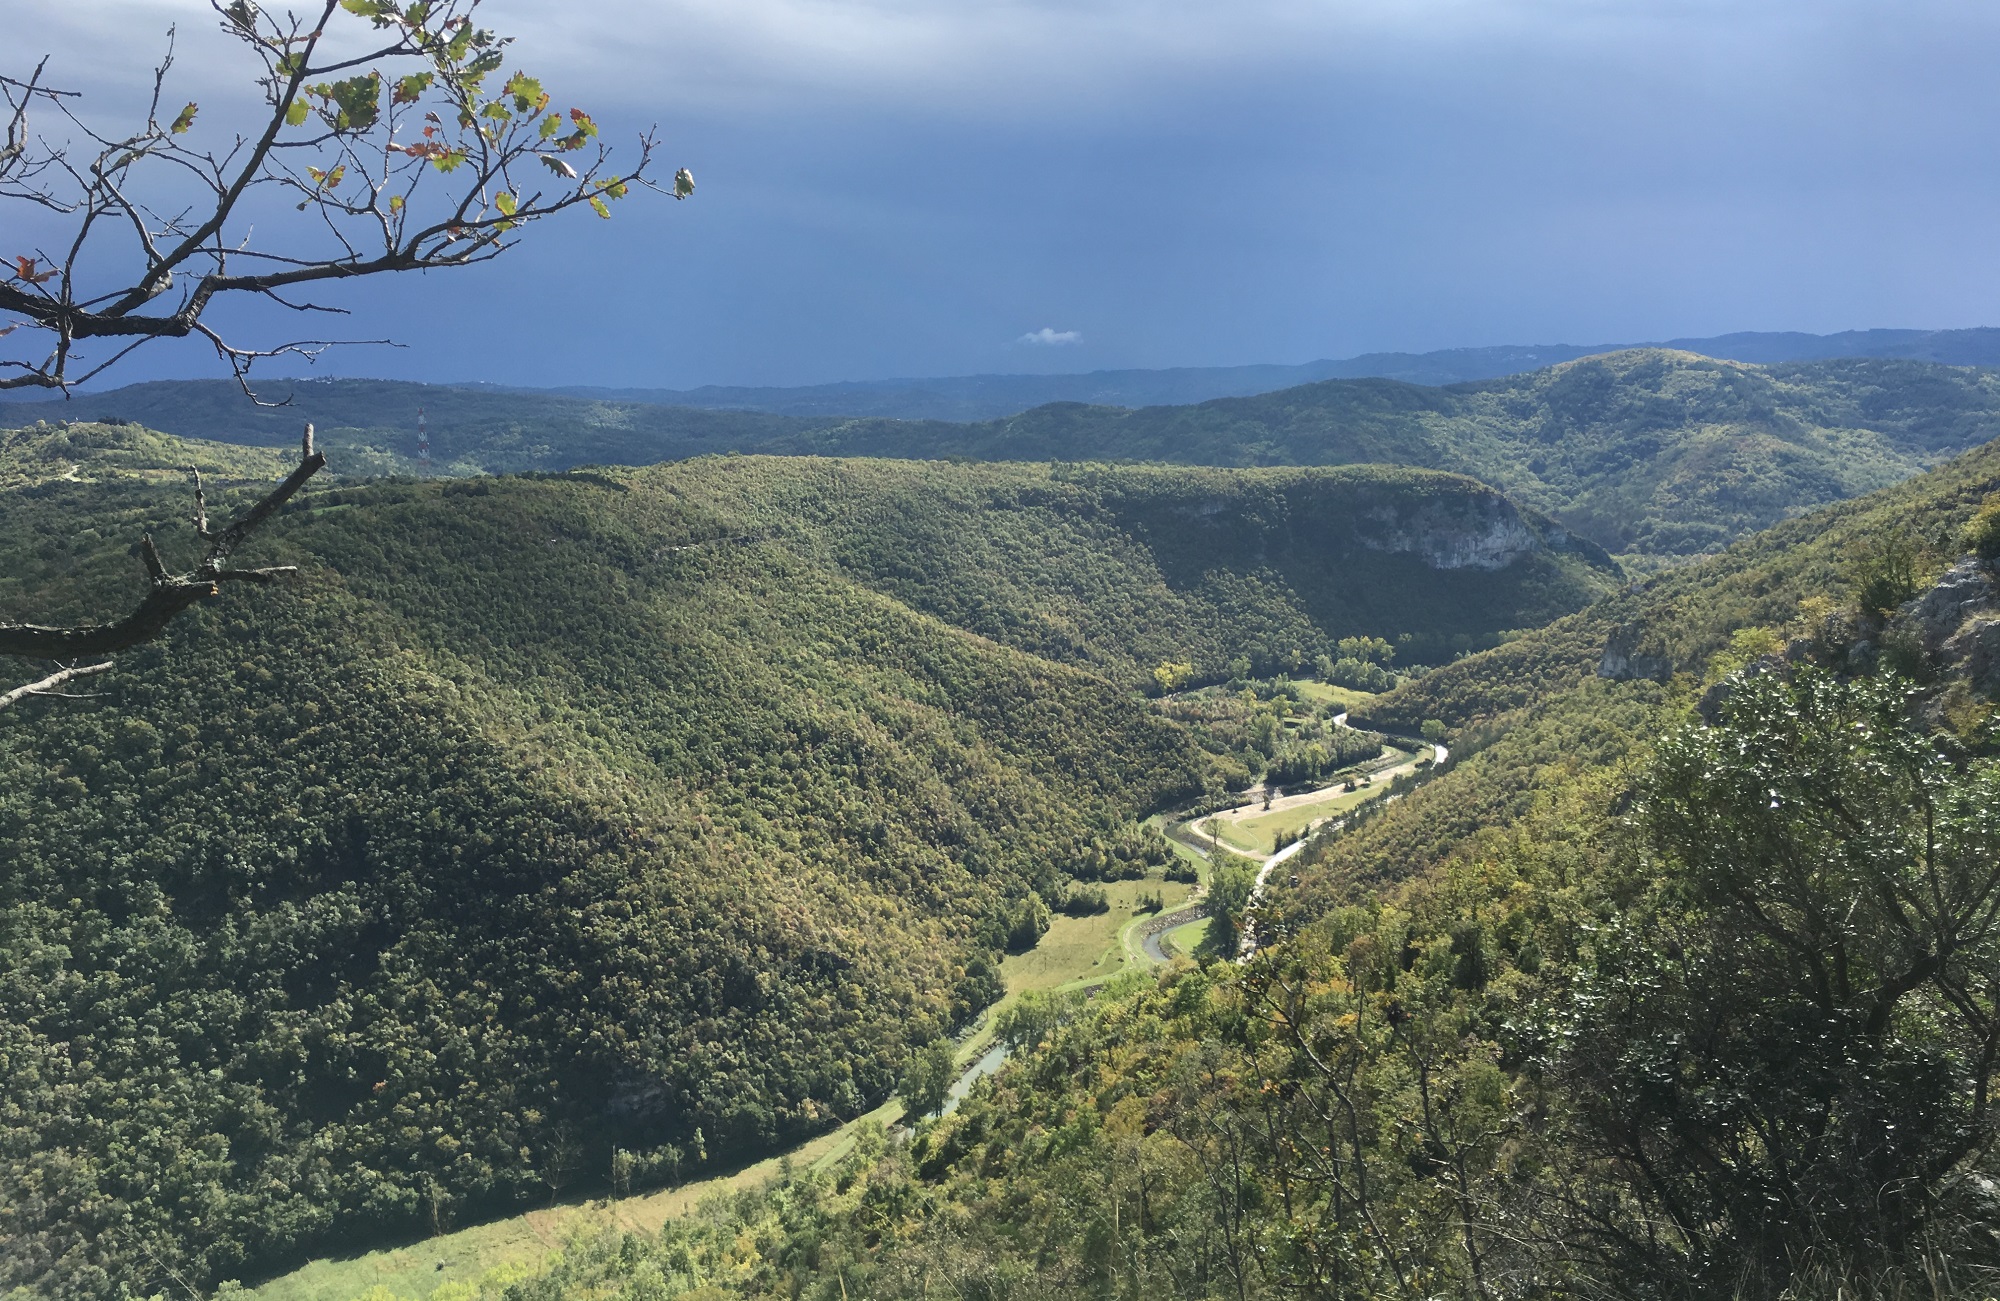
(169, 594)
(407, 147)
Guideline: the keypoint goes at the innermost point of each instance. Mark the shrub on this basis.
(1982, 534)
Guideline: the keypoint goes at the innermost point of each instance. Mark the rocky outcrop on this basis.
(1955, 626)
(1939, 615)
(1630, 657)
(1974, 651)
(1477, 532)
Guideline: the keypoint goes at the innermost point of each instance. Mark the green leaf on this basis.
(507, 203)
(597, 206)
(295, 113)
(360, 101)
(527, 92)
(410, 89)
(550, 125)
(185, 120)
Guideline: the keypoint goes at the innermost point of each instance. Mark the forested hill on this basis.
(1647, 453)
(1676, 984)
(665, 808)
(991, 397)
(1652, 454)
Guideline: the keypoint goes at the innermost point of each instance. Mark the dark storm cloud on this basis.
(912, 188)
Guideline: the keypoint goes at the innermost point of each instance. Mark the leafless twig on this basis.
(169, 593)
(48, 685)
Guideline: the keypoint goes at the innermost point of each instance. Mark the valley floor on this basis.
(1075, 953)
(1256, 828)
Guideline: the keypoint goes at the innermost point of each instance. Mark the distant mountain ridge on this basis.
(968, 398)
(1650, 453)
(989, 397)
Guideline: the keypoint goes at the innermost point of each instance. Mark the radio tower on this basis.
(423, 443)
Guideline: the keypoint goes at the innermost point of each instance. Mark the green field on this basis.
(1326, 693)
(1083, 950)
(1186, 939)
(1259, 834)
(1231, 834)
(1254, 832)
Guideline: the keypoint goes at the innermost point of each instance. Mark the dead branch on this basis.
(169, 593)
(47, 686)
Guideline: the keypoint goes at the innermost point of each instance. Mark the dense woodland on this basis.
(1681, 985)
(665, 812)
(642, 820)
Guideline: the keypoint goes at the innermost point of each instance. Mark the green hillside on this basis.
(1648, 453)
(1123, 568)
(1678, 986)
(660, 811)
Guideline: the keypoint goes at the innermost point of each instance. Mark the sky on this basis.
(935, 187)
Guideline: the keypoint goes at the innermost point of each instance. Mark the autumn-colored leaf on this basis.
(185, 120)
(25, 269)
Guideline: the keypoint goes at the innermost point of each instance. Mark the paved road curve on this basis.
(1247, 945)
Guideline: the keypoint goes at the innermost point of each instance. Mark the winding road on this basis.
(1248, 944)
(1156, 930)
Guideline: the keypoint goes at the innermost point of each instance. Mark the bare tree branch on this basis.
(48, 685)
(416, 153)
(169, 593)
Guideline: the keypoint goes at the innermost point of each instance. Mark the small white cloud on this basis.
(1047, 338)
